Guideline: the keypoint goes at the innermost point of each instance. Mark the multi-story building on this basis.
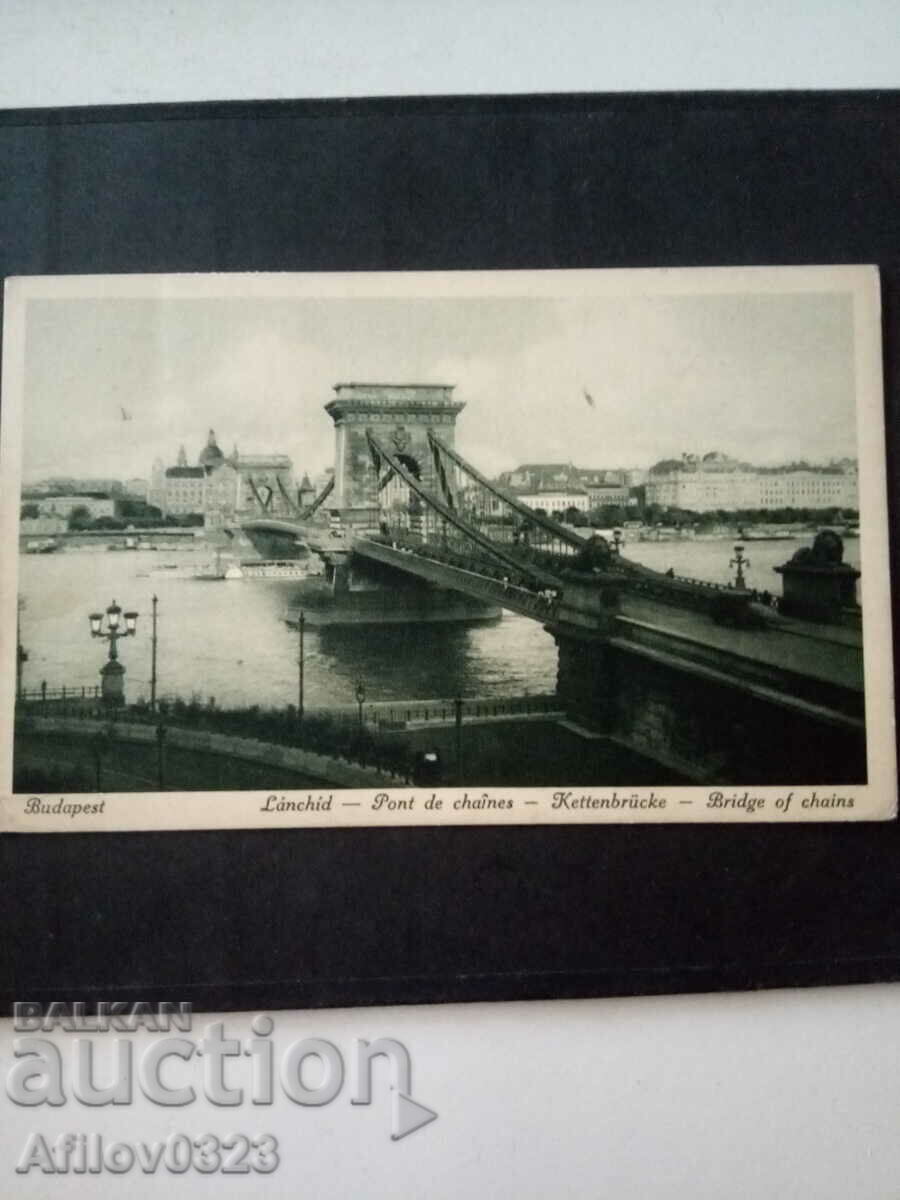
(556, 487)
(716, 481)
(42, 526)
(539, 477)
(96, 504)
(67, 485)
(555, 502)
(136, 489)
(605, 487)
(635, 476)
(222, 488)
(156, 488)
(809, 488)
(184, 491)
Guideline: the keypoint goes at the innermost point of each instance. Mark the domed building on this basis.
(221, 487)
(211, 456)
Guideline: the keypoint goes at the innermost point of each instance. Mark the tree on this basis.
(606, 516)
(138, 510)
(80, 517)
(652, 514)
(30, 511)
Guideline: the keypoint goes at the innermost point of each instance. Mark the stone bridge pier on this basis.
(400, 416)
(707, 715)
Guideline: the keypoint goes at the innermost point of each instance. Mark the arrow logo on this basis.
(409, 1115)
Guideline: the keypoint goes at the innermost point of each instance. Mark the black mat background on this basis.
(295, 918)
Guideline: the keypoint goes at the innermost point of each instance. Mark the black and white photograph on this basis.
(449, 476)
(506, 547)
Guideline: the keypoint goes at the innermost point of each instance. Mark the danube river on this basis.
(228, 639)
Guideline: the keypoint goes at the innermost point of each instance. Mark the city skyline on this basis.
(87, 483)
(601, 381)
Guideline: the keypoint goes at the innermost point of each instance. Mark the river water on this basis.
(229, 639)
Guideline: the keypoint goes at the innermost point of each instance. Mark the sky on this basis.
(766, 377)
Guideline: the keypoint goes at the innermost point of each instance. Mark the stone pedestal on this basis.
(112, 684)
(818, 593)
(818, 584)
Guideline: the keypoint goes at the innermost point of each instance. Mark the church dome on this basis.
(211, 455)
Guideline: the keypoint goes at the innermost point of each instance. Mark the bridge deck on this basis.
(832, 654)
(427, 565)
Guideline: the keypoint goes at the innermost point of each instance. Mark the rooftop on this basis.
(717, 463)
(414, 398)
(185, 472)
(264, 460)
(443, 387)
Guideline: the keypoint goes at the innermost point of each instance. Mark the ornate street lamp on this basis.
(360, 700)
(112, 673)
(739, 561)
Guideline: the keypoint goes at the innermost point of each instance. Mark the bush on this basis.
(331, 734)
(41, 780)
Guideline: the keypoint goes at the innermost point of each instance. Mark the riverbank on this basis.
(76, 755)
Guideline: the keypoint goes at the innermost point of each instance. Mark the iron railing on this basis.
(44, 694)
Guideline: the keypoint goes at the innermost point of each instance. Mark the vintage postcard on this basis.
(444, 548)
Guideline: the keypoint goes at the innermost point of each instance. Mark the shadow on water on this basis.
(230, 640)
(405, 660)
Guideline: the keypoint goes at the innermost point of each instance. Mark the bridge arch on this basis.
(401, 416)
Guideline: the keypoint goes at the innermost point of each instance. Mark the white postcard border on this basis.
(106, 812)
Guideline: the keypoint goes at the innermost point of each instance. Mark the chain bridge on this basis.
(698, 675)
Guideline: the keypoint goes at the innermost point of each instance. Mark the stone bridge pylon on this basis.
(401, 417)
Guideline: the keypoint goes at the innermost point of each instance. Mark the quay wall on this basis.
(707, 719)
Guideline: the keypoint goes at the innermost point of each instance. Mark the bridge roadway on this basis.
(437, 570)
(820, 662)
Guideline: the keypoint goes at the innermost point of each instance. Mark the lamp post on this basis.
(21, 660)
(153, 660)
(112, 673)
(360, 700)
(301, 633)
(617, 541)
(739, 561)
